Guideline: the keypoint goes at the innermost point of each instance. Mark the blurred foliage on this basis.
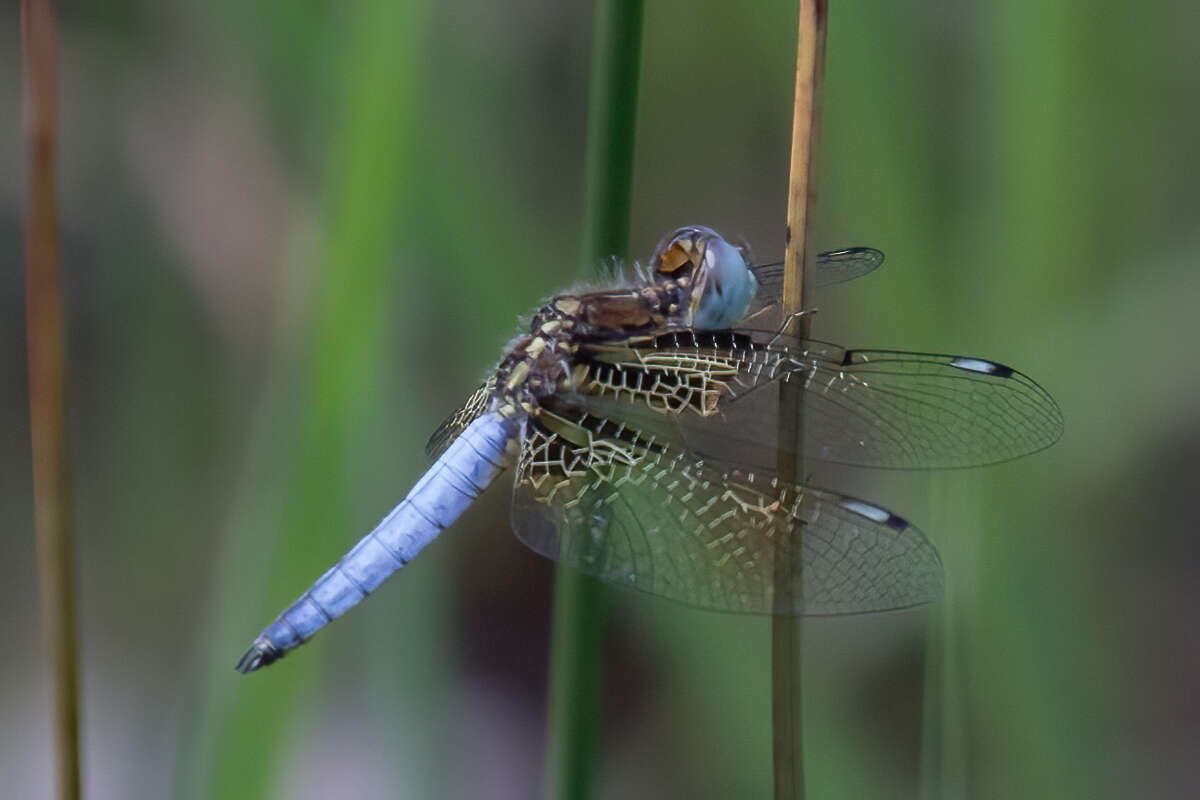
(575, 695)
(296, 235)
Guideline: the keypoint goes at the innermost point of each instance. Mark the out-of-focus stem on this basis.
(46, 339)
(574, 714)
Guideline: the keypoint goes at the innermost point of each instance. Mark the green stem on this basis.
(612, 123)
(575, 685)
(577, 648)
(46, 338)
(342, 356)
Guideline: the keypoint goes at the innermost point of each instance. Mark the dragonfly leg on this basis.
(788, 321)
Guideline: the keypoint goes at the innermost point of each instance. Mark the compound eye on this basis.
(724, 287)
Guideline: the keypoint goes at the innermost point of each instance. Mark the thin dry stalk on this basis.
(786, 694)
(47, 407)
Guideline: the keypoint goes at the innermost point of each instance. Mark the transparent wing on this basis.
(622, 507)
(458, 422)
(707, 393)
(830, 267)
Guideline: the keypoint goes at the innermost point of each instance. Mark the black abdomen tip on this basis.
(260, 654)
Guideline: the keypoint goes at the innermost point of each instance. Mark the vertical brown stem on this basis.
(810, 68)
(786, 631)
(47, 408)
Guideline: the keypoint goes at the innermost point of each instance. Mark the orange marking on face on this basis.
(673, 259)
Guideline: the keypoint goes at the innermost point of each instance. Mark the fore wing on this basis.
(716, 396)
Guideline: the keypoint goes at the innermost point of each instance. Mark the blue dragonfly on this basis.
(641, 425)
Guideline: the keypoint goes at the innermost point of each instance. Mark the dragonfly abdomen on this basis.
(464, 470)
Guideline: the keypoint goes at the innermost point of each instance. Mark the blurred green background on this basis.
(295, 235)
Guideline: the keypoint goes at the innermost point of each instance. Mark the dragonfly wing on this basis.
(625, 508)
(461, 419)
(874, 408)
(915, 410)
(828, 268)
(838, 266)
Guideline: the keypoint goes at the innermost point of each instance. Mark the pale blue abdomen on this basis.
(469, 464)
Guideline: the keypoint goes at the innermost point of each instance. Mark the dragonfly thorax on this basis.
(544, 362)
(696, 280)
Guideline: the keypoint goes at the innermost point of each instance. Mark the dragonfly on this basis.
(641, 425)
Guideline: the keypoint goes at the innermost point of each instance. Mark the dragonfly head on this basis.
(717, 284)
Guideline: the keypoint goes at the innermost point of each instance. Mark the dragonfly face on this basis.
(642, 424)
(718, 283)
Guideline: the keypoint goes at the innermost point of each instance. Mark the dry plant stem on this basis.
(47, 407)
(786, 685)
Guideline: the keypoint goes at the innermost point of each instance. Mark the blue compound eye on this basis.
(724, 287)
